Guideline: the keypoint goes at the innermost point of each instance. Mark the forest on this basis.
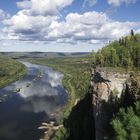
(124, 52)
(124, 119)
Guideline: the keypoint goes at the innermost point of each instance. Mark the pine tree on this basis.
(132, 33)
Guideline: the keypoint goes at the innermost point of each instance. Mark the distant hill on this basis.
(21, 55)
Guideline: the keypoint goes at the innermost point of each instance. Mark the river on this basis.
(37, 97)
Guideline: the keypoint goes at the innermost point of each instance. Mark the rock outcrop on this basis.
(131, 92)
(103, 83)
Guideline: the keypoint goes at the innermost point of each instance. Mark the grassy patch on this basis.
(10, 71)
(76, 81)
(76, 77)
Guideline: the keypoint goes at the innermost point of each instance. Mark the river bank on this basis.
(39, 97)
(76, 81)
(10, 71)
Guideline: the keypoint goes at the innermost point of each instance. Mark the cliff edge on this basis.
(103, 85)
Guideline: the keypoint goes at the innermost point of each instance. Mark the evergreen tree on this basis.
(124, 52)
(126, 124)
(132, 33)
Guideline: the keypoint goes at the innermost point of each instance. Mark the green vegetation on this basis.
(122, 56)
(10, 70)
(118, 56)
(122, 53)
(76, 80)
(76, 77)
(127, 123)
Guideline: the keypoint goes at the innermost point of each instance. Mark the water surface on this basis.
(25, 104)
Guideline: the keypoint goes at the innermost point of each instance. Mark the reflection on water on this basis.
(30, 101)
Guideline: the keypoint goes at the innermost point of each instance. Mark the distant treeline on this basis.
(124, 52)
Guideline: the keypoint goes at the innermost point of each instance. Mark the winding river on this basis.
(37, 97)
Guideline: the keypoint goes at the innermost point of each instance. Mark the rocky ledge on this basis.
(103, 85)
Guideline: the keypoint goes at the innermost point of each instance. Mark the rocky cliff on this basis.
(104, 84)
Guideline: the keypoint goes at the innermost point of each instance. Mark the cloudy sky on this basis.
(65, 25)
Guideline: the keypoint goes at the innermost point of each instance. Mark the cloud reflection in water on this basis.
(41, 89)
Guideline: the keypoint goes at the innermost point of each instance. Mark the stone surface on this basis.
(103, 83)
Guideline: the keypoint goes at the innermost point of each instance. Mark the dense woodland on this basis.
(124, 123)
(124, 52)
(126, 119)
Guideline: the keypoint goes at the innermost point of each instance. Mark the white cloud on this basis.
(110, 2)
(1, 36)
(40, 23)
(86, 28)
(89, 3)
(24, 4)
(120, 2)
(27, 27)
(74, 29)
(138, 31)
(3, 15)
(44, 7)
(33, 20)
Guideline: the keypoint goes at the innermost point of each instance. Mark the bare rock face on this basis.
(101, 92)
(103, 83)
